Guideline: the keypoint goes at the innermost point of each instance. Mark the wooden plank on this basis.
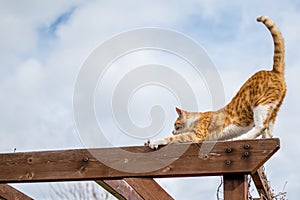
(120, 189)
(135, 189)
(148, 188)
(84, 164)
(9, 192)
(262, 185)
(235, 187)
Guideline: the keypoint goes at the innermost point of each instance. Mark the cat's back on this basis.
(261, 88)
(265, 80)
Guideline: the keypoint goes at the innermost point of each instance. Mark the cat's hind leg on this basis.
(261, 118)
(268, 133)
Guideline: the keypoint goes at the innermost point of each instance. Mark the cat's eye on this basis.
(178, 126)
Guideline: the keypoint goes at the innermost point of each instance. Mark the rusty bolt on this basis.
(246, 154)
(228, 162)
(85, 159)
(246, 146)
(228, 150)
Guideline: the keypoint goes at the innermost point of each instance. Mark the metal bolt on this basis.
(246, 146)
(246, 154)
(228, 162)
(228, 150)
(85, 159)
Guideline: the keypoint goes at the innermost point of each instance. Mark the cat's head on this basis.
(182, 123)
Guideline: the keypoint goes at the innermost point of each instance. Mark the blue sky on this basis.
(44, 43)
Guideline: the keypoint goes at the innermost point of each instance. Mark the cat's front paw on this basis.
(152, 145)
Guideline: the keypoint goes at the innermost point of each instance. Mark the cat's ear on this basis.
(180, 112)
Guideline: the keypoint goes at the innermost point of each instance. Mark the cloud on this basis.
(29, 99)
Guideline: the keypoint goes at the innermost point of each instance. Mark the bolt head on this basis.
(85, 159)
(246, 154)
(228, 162)
(228, 150)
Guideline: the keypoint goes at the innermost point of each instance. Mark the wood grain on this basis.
(148, 188)
(84, 164)
(9, 192)
(120, 189)
(262, 184)
(236, 187)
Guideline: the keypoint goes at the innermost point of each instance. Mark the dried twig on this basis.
(219, 188)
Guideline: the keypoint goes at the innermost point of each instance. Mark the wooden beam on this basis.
(9, 192)
(120, 189)
(135, 189)
(235, 187)
(262, 184)
(83, 164)
(148, 188)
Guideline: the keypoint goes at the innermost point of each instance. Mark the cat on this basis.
(250, 114)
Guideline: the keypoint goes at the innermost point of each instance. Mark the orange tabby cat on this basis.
(250, 114)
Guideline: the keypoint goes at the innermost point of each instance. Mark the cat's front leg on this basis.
(154, 144)
(180, 138)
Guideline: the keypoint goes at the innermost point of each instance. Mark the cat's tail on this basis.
(278, 60)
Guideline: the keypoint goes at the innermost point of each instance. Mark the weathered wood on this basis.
(148, 188)
(120, 189)
(9, 192)
(226, 157)
(235, 187)
(135, 189)
(262, 185)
